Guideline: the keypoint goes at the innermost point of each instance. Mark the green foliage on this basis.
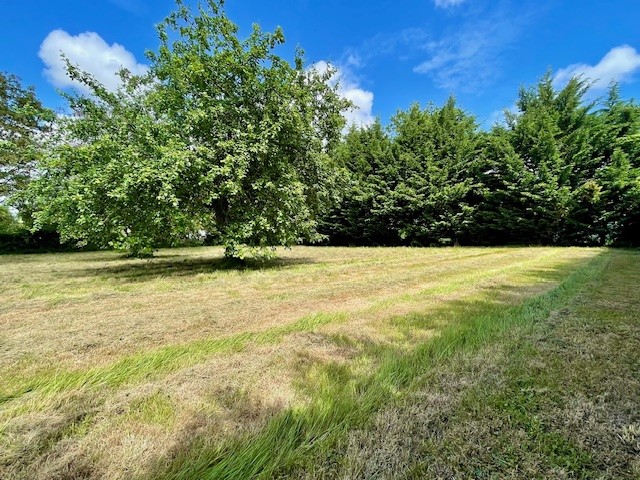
(409, 186)
(618, 178)
(502, 200)
(621, 199)
(368, 173)
(558, 172)
(23, 125)
(224, 141)
(15, 236)
(435, 147)
(549, 134)
(222, 137)
(8, 223)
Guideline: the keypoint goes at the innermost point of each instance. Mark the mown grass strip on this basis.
(344, 400)
(460, 280)
(163, 360)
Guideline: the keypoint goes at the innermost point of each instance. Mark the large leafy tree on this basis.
(8, 223)
(409, 186)
(24, 123)
(222, 137)
(502, 195)
(551, 132)
(412, 185)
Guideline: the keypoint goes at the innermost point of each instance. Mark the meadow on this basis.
(324, 363)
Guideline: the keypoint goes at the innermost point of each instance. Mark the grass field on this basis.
(325, 363)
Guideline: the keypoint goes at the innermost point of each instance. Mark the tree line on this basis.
(223, 141)
(561, 170)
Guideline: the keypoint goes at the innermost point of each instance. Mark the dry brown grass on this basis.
(69, 314)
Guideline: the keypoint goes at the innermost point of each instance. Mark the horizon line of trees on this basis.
(560, 171)
(223, 141)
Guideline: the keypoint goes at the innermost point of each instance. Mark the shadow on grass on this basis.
(297, 441)
(180, 266)
(283, 441)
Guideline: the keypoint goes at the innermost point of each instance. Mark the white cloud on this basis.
(465, 61)
(90, 53)
(470, 57)
(348, 88)
(447, 3)
(354, 60)
(619, 64)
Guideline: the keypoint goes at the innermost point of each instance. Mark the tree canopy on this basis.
(222, 138)
(562, 170)
(23, 124)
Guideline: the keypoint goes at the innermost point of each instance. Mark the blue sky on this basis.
(388, 53)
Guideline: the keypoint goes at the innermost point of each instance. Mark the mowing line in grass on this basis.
(163, 360)
(344, 401)
(213, 390)
(171, 358)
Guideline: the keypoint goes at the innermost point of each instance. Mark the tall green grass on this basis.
(343, 399)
